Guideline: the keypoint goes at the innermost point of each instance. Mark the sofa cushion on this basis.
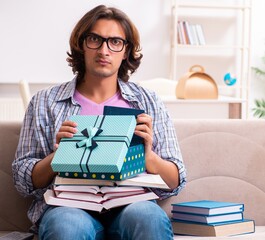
(225, 161)
(13, 214)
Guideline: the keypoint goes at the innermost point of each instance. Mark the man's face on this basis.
(102, 62)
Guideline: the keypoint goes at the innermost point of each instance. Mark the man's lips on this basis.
(102, 61)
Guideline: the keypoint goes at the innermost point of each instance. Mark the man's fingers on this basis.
(68, 129)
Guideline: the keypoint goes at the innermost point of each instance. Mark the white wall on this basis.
(257, 49)
(34, 37)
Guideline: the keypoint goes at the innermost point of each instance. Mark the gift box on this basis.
(133, 164)
(99, 148)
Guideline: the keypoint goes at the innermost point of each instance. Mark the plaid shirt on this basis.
(49, 108)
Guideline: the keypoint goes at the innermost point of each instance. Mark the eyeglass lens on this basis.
(115, 44)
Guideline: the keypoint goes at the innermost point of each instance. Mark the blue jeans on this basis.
(141, 220)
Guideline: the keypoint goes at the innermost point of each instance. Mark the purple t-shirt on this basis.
(89, 107)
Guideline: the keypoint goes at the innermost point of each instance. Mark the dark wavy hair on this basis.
(84, 26)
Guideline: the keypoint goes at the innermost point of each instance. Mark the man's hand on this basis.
(144, 129)
(67, 130)
(154, 163)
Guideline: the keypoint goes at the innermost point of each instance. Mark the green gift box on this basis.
(99, 148)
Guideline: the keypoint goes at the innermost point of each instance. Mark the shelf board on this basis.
(221, 99)
(232, 87)
(208, 46)
(4, 83)
(211, 6)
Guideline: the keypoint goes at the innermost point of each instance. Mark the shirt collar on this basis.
(68, 91)
(127, 92)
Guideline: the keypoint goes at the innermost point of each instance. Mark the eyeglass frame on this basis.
(105, 40)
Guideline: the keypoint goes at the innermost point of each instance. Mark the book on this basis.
(207, 219)
(194, 34)
(94, 193)
(207, 207)
(110, 110)
(200, 34)
(141, 180)
(99, 206)
(180, 34)
(188, 32)
(214, 230)
(17, 236)
(185, 32)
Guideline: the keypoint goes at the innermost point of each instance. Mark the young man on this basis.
(104, 51)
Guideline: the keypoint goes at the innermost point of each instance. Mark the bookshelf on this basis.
(226, 26)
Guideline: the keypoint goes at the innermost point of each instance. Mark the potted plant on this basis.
(259, 109)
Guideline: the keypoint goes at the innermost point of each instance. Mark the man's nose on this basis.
(104, 47)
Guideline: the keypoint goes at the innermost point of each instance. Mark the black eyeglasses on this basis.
(94, 41)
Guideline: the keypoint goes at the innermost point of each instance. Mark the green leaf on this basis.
(259, 110)
(259, 72)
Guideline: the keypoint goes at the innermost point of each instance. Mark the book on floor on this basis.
(142, 180)
(214, 230)
(207, 219)
(208, 207)
(96, 203)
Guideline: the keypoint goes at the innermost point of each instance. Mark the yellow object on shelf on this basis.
(196, 84)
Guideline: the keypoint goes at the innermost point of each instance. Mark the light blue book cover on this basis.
(217, 224)
(207, 219)
(208, 207)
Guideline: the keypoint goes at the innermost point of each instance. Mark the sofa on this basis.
(225, 160)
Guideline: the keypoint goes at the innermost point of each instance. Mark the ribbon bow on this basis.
(88, 142)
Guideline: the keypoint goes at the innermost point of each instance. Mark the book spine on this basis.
(194, 34)
(179, 37)
(200, 34)
(181, 33)
(188, 33)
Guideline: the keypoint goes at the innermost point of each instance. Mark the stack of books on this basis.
(100, 195)
(191, 34)
(210, 218)
(100, 167)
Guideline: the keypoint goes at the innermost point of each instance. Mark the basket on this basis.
(196, 84)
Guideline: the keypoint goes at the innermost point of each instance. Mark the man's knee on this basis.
(69, 223)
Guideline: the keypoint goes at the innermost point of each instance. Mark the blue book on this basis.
(208, 207)
(220, 218)
(110, 110)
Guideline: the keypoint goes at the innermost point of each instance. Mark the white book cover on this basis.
(141, 180)
(200, 34)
